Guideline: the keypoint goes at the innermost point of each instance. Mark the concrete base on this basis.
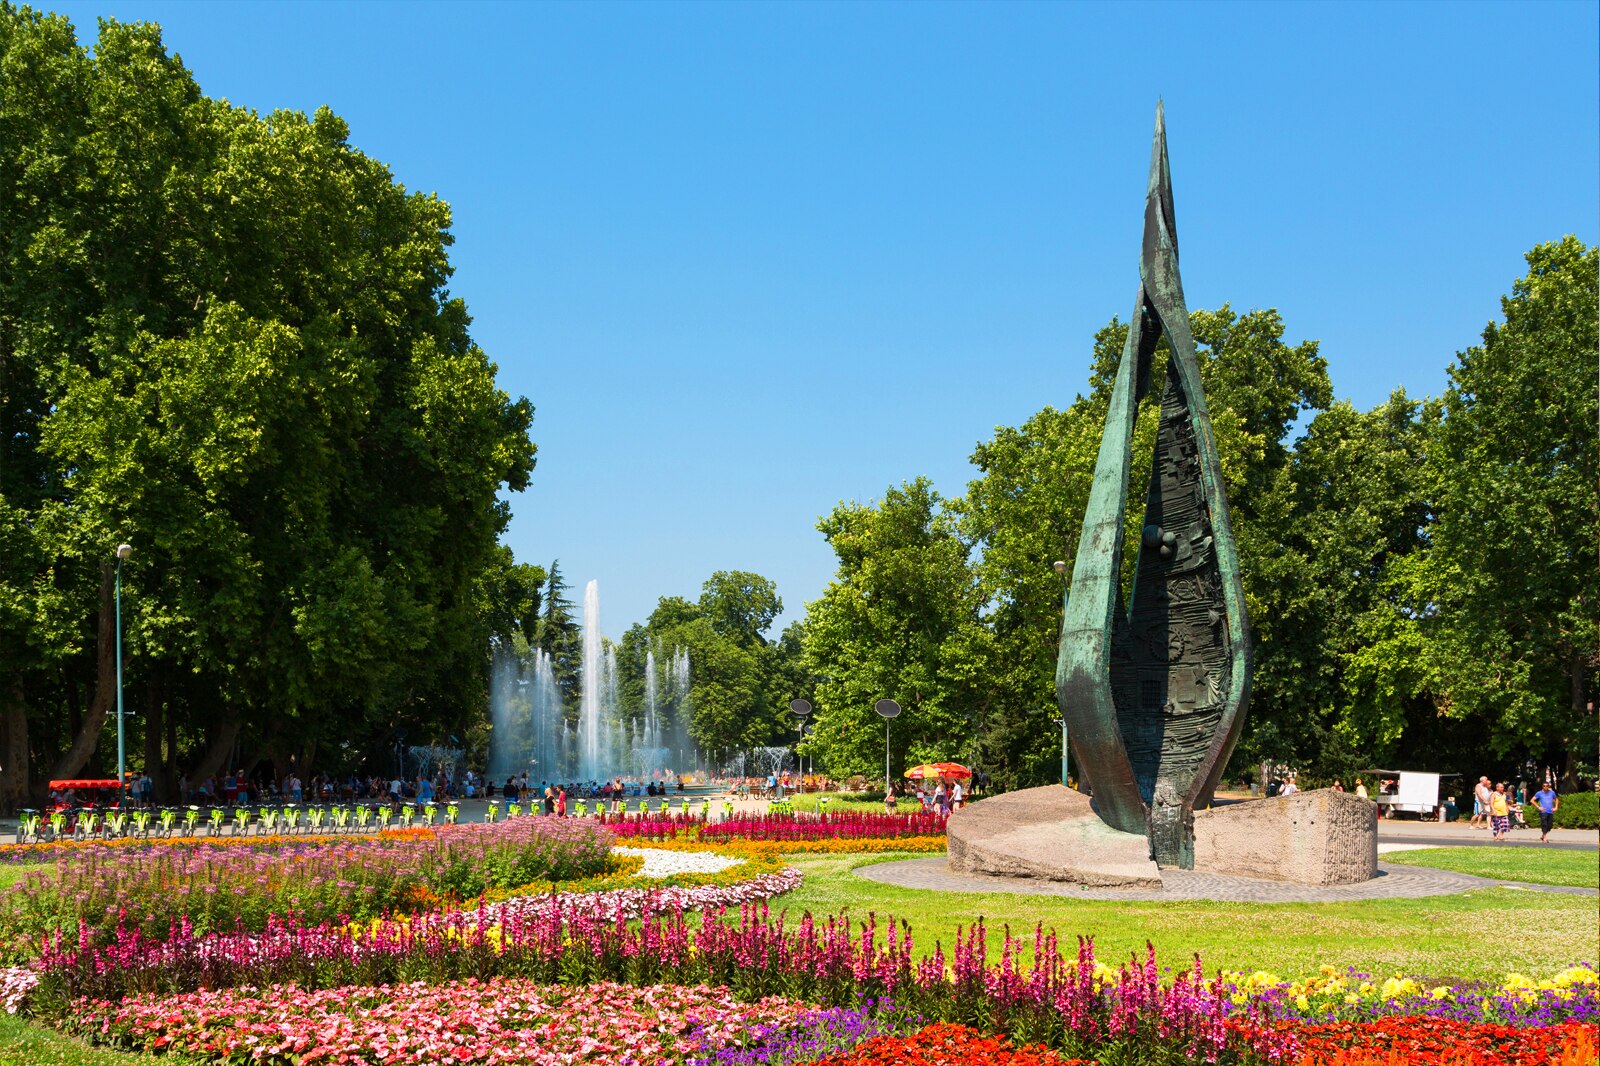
(1309, 838)
(1049, 833)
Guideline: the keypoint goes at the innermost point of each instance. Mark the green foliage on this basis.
(740, 605)
(1421, 578)
(901, 620)
(1578, 810)
(1511, 638)
(226, 339)
(740, 679)
(560, 635)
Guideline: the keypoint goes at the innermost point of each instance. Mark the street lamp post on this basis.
(123, 551)
(800, 709)
(887, 709)
(1060, 568)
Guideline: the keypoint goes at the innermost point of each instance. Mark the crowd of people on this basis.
(1497, 807)
(237, 788)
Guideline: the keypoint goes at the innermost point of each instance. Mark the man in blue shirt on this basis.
(1547, 802)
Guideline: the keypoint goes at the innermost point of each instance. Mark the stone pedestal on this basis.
(1310, 838)
(1050, 833)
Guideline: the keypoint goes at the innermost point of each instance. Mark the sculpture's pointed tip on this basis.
(1158, 149)
(1160, 190)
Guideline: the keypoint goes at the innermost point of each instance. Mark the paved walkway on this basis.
(1459, 834)
(1392, 882)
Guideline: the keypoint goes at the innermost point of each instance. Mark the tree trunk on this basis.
(152, 732)
(1569, 769)
(223, 735)
(105, 689)
(74, 707)
(13, 747)
(171, 761)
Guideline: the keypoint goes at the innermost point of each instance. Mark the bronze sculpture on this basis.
(1155, 696)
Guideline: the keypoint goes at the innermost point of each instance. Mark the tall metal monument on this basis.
(1154, 696)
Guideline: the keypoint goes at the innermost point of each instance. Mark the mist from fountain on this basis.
(591, 712)
(528, 725)
(528, 713)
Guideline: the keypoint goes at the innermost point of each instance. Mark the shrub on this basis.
(1578, 810)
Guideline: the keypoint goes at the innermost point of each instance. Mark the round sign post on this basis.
(800, 709)
(887, 709)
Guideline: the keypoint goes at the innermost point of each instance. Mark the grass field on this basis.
(10, 874)
(1472, 935)
(24, 1044)
(847, 801)
(1539, 866)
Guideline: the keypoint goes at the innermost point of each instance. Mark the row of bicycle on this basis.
(93, 822)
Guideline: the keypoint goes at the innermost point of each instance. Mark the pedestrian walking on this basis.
(1499, 812)
(1481, 792)
(1548, 803)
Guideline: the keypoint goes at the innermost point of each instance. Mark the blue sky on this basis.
(748, 260)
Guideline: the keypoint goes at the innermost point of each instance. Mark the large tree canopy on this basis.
(1495, 625)
(227, 340)
(1422, 577)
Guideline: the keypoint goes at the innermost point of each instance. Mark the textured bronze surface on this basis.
(1155, 696)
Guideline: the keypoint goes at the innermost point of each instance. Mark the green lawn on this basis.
(34, 1045)
(1539, 866)
(848, 801)
(10, 874)
(1475, 935)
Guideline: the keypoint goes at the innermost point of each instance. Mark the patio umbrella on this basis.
(937, 769)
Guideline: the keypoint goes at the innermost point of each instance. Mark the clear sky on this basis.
(748, 260)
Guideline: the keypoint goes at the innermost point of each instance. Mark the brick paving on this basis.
(1392, 882)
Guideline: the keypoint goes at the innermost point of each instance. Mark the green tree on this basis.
(1331, 533)
(561, 637)
(227, 340)
(740, 605)
(1498, 621)
(900, 620)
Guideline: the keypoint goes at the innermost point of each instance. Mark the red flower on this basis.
(948, 1045)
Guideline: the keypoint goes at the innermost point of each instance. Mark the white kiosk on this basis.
(1416, 793)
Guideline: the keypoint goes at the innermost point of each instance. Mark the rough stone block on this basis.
(1310, 838)
(1051, 833)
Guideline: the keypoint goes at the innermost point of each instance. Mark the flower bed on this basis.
(505, 1021)
(812, 1035)
(660, 863)
(946, 1044)
(645, 896)
(822, 846)
(1334, 996)
(1070, 1003)
(1067, 1002)
(1443, 1041)
(794, 828)
(228, 886)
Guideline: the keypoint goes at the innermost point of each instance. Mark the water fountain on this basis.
(526, 711)
(529, 717)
